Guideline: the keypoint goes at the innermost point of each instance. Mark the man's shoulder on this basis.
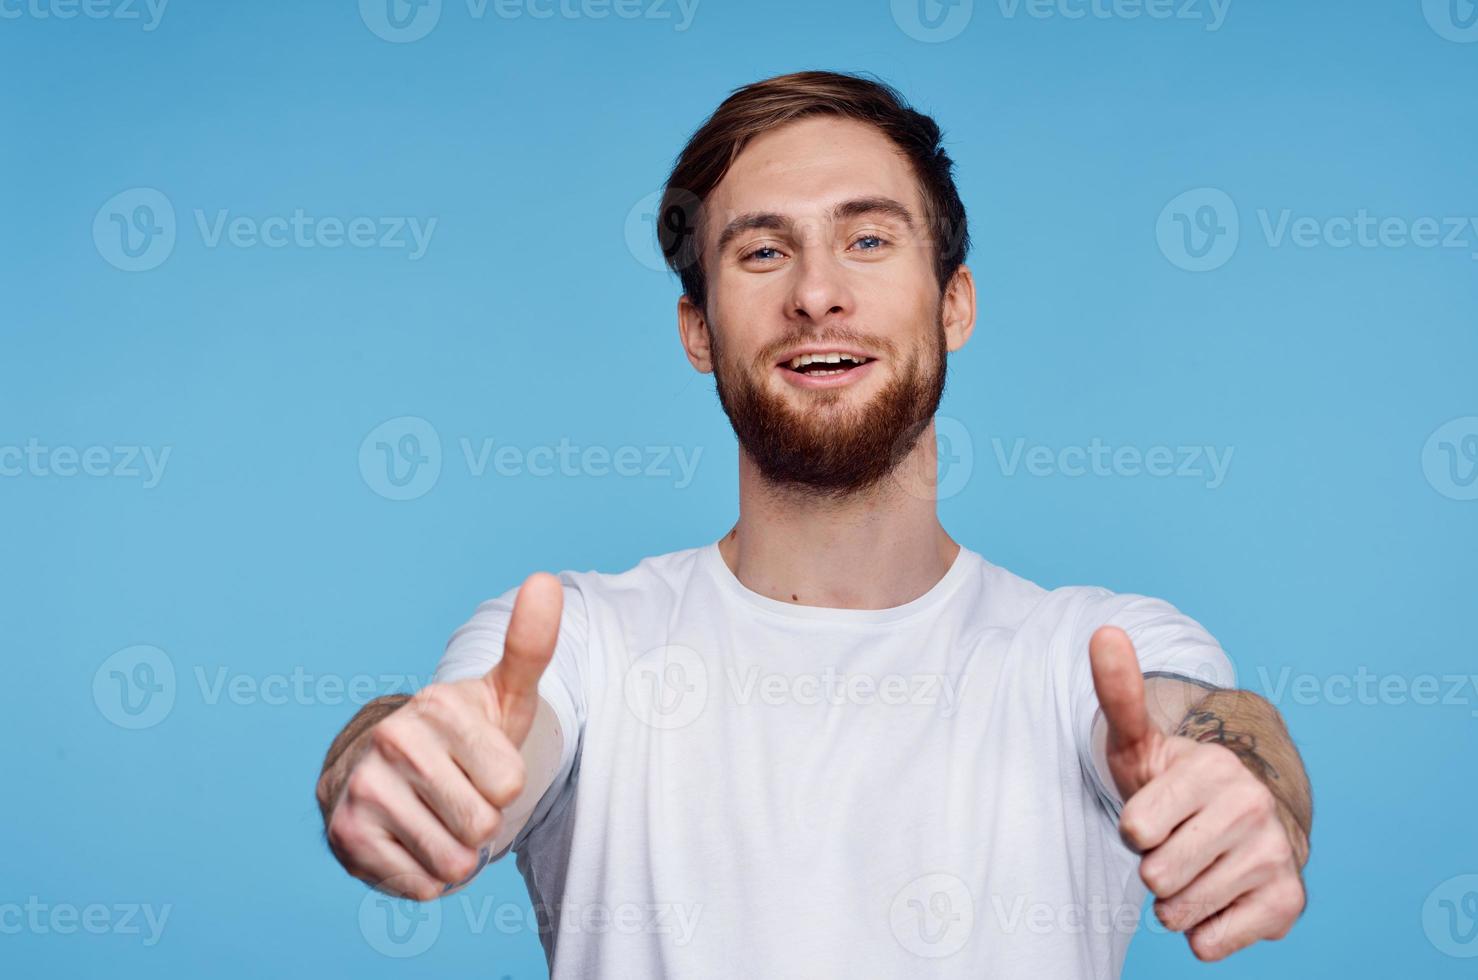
(652, 576)
(1016, 601)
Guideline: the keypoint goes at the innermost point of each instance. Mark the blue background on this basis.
(1335, 542)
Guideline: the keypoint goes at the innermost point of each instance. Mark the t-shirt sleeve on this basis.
(1168, 643)
(477, 646)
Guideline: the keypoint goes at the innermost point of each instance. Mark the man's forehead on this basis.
(807, 168)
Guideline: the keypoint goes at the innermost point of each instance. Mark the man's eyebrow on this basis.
(855, 208)
(752, 221)
(861, 206)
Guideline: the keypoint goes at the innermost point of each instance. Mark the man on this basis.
(834, 742)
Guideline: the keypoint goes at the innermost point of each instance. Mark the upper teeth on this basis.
(832, 357)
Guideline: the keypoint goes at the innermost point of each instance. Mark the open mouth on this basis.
(825, 365)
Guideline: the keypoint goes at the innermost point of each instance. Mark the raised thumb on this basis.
(528, 646)
(1120, 688)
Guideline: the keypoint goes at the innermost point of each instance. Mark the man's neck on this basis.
(875, 550)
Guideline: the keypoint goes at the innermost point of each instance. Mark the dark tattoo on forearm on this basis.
(1205, 725)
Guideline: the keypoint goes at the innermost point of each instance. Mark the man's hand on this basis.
(425, 788)
(1218, 849)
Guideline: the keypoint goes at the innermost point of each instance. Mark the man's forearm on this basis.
(1251, 728)
(347, 745)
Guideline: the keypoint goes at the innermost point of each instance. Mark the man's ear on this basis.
(959, 308)
(692, 329)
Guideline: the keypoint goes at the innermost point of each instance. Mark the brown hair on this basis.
(755, 109)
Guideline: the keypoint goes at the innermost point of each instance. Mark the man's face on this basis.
(815, 241)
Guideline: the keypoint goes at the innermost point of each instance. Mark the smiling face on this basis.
(815, 243)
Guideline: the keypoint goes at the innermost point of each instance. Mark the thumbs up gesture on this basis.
(1217, 846)
(430, 782)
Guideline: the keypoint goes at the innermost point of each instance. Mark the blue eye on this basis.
(871, 238)
(762, 248)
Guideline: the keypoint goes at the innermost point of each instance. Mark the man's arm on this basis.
(1253, 730)
(346, 748)
(1218, 804)
(419, 792)
(1242, 721)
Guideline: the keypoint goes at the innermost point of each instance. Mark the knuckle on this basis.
(360, 788)
(344, 834)
(1168, 914)
(510, 782)
(1288, 902)
(1153, 874)
(456, 864)
(1205, 950)
(484, 824)
(1132, 827)
(389, 738)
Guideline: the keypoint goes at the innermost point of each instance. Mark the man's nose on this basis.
(820, 291)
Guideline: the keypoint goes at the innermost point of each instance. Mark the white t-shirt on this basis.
(755, 788)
